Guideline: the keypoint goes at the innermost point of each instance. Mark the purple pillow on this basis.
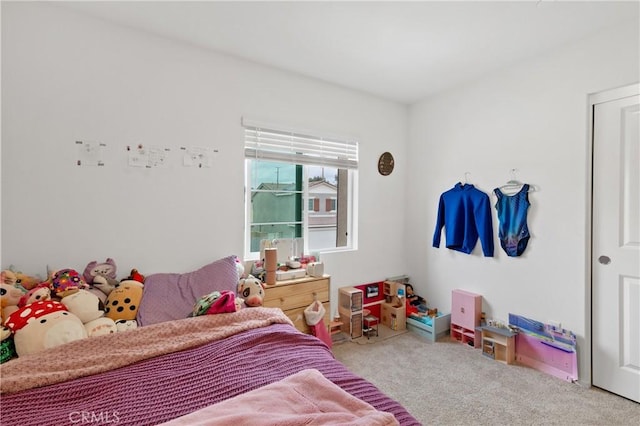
(168, 297)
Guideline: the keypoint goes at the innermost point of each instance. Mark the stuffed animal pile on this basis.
(39, 314)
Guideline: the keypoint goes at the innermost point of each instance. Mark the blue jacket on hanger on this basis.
(465, 213)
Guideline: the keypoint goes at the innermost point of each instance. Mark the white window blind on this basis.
(264, 143)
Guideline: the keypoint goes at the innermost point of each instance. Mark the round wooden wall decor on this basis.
(385, 164)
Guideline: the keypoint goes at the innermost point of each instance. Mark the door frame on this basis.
(594, 99)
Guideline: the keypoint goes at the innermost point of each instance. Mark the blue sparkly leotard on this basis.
(513, 231)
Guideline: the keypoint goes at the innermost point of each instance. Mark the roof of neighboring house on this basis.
(271, 186)
(315, 184)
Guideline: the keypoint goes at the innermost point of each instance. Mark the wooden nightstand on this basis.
(294, 296)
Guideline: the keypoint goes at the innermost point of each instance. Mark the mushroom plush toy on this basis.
(42, 325)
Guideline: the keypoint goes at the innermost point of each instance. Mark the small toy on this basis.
(42, 325)
(123, 302)
(106, 269)
(41, 292)
(103, 284)
(216, 303)
(7, 348)
(27, 281)
(65, 282)
(84, 305)
(258, 271)
(136, 276)
(90, 309)
(101, 275)
(126, 325)
(251, 290)
(239, 268)
(100, 327)
(428, 313)
(413, 298)
(9, 277)
(9, 298)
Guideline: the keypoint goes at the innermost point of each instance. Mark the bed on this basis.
(209, 369)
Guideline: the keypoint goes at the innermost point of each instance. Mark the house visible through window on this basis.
(298, 186)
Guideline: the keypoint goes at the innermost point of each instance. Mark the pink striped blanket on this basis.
(161, 372)
(305, 398)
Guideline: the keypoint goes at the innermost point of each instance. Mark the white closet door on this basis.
(616, 246)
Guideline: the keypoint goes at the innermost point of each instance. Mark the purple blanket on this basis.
(165, 387)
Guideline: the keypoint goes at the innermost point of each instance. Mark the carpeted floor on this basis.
(447, 383)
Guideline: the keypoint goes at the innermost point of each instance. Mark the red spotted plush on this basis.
(42, 325)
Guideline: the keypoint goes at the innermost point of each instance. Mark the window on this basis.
(314, 204)
(330, 204)
(298, 186)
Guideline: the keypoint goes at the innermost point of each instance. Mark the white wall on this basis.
(532, 117)
(65, 78)
(68, 78)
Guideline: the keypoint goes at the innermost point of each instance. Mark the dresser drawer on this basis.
(299, 321)
(296, 294)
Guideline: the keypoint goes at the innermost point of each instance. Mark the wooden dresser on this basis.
(294, 296)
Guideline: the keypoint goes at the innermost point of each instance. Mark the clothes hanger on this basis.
(514, 185)
(466, 178)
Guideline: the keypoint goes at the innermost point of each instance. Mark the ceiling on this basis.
(400, 51)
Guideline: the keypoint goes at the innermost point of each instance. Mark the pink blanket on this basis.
(170, 385)
(305, 398)
(103, 353)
